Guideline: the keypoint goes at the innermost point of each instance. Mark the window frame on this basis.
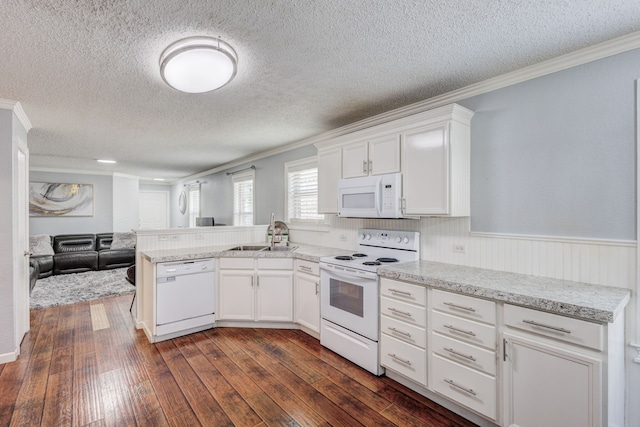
(241, 177)
(191, 188)
(292, 166)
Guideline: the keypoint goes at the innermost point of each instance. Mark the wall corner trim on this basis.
(16, 107)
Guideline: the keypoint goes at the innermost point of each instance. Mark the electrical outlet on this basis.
(163, 237)
(175, 237)
(343, 237)
(459, 249)
(199, 236)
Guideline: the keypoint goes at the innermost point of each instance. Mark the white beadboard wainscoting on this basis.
(601, 262)
(180, 238)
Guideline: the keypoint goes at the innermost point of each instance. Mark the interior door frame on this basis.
(21, 242)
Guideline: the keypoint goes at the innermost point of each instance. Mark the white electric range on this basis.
(349, 293)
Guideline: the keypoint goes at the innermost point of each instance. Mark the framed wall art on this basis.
(60, 200)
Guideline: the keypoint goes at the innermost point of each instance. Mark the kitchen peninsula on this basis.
(480, 326)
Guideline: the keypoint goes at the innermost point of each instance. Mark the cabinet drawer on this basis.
(402, 311)
(463, 353)
(470, 388)
(403, 291)
(308, 267)
(237, 263)
(463, 329)
(275, 263)
(552, 325)
(403, 331)
(403, 358)
(464, 306)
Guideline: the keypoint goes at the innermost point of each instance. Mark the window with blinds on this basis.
(243, 191)
(194, 203)
(302, 191)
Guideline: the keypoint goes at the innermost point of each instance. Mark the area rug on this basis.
(71, 288)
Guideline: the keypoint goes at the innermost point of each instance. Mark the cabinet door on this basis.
(355, 160)
(384, 155)
(274, 296)
(308, 301)
(549, 386)
(236, 295)
(425, 171)
(329, 173)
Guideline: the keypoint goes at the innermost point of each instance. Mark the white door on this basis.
(384, 155)
(274, 296)
(21, 279)
(154, 209)
(355, 160)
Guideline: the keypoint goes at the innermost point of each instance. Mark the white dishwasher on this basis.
(185, 296)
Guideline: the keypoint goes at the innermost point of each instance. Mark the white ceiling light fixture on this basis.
(198, 64)
(106, 161)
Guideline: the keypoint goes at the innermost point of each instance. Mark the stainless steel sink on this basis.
(261, 248)
(280, 248)
(249, 248)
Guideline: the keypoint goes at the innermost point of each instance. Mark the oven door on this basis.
(350, 299)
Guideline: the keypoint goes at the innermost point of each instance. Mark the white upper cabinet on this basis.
(329, 173)
(376, 156)
(431, 149)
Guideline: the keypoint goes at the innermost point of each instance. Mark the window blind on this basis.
(243, 186)
(302, 192)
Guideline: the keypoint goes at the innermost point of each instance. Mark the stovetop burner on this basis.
(344, 257)
(387, 259)
(371, 263)
(359, 255)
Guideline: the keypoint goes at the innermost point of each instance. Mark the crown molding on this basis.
(69, 171)
(16, 107)
(573, 59)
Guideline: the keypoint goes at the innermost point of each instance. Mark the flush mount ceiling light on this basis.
(105, 161)
(198, 64)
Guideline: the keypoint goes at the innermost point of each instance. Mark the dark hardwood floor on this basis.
(86, 364)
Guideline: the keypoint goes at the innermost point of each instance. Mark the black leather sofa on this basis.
(77, 253)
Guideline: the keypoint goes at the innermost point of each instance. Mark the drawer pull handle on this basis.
(462, 331)
(305, 268)
(396, 311)
(399, 359)
(541, 325)
(396, 291)
(460, 307)
(468, 390)
(406, 334)
(466, 356)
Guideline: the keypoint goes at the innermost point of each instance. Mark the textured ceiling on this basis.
(86, 72)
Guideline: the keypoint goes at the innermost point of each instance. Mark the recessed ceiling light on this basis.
(106, 161)
(158, 179)
(198, 64)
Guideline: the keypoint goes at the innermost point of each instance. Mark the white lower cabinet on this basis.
(403, 329)
(462, 351)
(548, 386)
(256, 289)
(560, 371)
(308, 295)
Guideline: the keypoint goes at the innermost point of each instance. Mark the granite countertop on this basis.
(305, 252)
(594, 303)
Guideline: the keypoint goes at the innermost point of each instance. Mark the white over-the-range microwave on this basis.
(376, 196)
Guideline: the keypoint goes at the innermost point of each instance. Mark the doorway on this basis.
(154, 210)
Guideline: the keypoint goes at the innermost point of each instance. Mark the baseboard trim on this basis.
(9, 357)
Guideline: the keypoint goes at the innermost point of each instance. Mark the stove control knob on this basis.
(405, 240)
(361, 236)
(398, 239)
(368, 236)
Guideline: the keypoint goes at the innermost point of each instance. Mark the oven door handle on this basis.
(347, 273)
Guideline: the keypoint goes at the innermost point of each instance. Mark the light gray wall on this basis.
(216, 190)
(126, 205)
(100, 222)
(7, 325)
(555, 156)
